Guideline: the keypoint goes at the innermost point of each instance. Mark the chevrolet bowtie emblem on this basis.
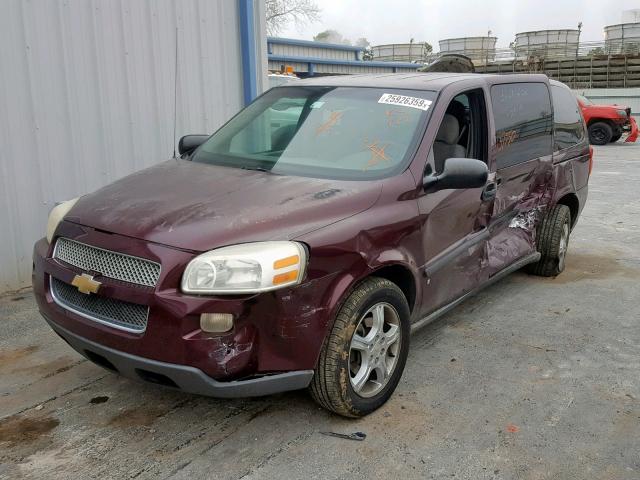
(86, 284)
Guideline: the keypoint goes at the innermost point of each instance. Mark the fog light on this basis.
(216, 322)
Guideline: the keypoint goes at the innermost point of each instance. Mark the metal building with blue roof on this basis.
(309, 58)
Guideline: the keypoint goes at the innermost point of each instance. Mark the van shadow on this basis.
(589, 265)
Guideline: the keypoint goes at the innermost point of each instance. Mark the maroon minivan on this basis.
(302, 243)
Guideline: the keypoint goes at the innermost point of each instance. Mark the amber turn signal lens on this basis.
(285, 277)
(286, 262)
(216, 322)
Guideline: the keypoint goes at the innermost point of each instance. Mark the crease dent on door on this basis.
(524, 212)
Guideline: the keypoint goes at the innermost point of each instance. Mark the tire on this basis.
(600, 133)
(336, 384)
(616, 137)
(552, 242)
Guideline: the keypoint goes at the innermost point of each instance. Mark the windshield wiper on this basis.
(258, 169)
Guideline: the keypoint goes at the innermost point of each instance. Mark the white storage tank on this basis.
(622, 38)
(400, 52)
(547, 44)
(479, 49)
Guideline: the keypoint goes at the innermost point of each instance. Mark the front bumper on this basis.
(188, 379)
(274, 333)
(633, 130)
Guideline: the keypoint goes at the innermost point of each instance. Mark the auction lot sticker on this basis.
(413, 102)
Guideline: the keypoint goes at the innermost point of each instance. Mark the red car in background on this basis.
(607, 123)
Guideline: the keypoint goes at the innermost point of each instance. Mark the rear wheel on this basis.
(363, 358)
(600, 133)
(552, 241)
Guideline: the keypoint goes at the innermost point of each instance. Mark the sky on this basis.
(397, 21)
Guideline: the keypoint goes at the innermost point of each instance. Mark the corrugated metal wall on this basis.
(86, 97)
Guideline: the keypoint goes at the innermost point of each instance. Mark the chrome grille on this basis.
(107, 263)
(116, 313)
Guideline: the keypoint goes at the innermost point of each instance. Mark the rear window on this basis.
(567, 119)
(523, 120)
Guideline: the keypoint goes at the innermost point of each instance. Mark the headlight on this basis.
(622, 113)
(246, 268)
(57, 214)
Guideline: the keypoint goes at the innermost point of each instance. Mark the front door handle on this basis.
(489, 192)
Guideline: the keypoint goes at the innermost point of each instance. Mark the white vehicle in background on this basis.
(277, 79)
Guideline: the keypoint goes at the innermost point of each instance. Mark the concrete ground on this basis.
(532, 379)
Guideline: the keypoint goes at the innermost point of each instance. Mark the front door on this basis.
(454, 228)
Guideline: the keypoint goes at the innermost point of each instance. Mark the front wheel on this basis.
(600, 133)
(362, 360)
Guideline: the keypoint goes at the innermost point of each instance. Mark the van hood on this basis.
(198, 207)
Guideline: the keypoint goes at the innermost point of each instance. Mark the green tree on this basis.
(362, 42)
(331, 36)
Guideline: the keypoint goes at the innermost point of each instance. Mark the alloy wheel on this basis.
(562, 248)
(374, 349)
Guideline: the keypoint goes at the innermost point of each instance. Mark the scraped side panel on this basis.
(522, 154)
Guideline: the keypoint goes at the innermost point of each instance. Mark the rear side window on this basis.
(524, 123)
(567, 120)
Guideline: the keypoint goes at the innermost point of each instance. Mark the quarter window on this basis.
(567, 119)
(523, 121)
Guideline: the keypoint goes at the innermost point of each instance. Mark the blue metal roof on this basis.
(329, 61)
(310, 43)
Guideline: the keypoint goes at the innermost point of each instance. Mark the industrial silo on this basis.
(622, 38)
(480, 50)
(400, 52)
(547, 44)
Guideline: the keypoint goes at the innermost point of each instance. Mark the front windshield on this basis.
(584, 100)
(327, 132)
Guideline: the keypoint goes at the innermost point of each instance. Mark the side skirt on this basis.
(517, 265)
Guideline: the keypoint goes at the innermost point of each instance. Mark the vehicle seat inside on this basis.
(282, 136)
(446, 144)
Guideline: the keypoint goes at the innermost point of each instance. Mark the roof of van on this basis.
(416, 80)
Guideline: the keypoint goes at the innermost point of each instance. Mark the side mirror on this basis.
(189, 143)
(458, 173)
